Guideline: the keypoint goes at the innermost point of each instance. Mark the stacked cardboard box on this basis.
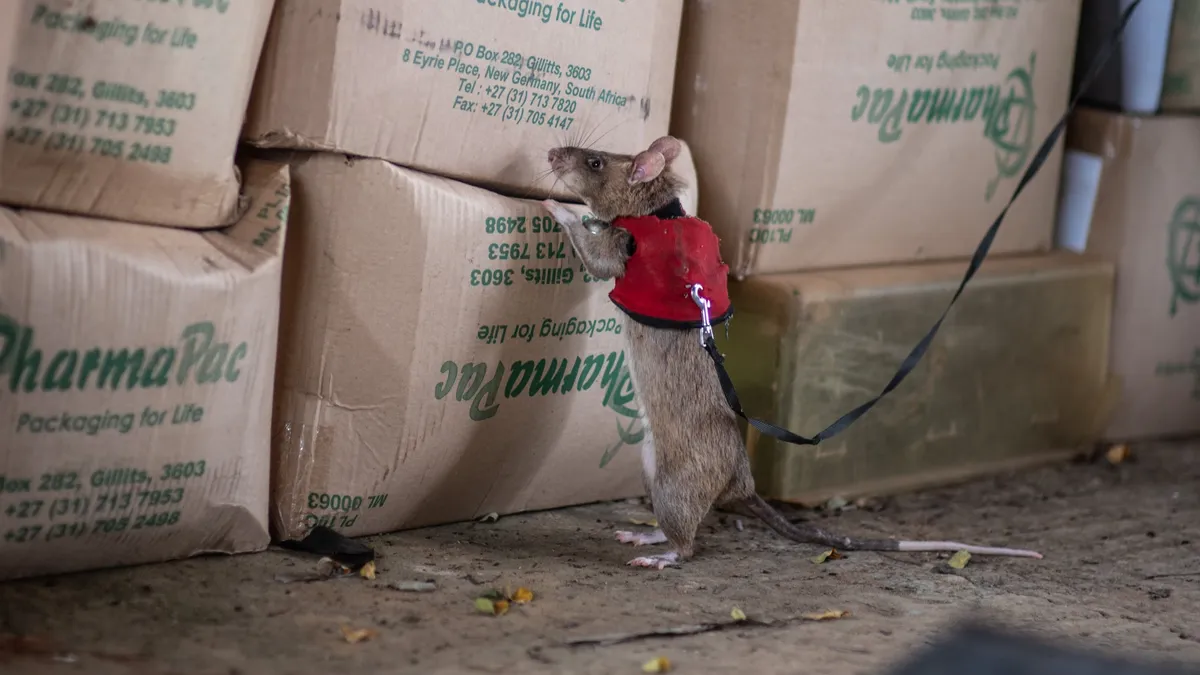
(444, 355)
(1128, 198)
(136, 360)
(841, 145)
(8, 49)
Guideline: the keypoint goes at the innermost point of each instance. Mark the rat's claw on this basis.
(656, 561)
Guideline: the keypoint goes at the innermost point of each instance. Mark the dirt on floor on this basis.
(1121, 573)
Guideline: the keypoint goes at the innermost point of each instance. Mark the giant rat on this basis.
(693, 458)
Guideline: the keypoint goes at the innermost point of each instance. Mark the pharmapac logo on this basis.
(1006, 110)
(482, 387)
(1183, 253)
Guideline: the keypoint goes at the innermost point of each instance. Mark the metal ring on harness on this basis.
(706, 331)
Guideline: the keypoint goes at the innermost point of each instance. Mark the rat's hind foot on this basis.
(671, 559)
(641, 538)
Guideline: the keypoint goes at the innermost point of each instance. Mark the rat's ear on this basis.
(647, 166)
(668, 147)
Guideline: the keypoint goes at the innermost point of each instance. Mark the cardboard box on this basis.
(444, 356)
(1018, 374)
(851, 133)
(131, 110)
(1181, 83)
(9, 12)
(1140, 208)
(477, 91)
(136, 366)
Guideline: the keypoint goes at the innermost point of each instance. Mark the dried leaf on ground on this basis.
(831, 554)
(959, 560)
(737, 614)
(489, 606)
(490, 518)
(356, 635)
(427, 586)
(826, 615)
(522, 596)
(657, 665)
(367, 571)
(1117, 454)
(651, 522)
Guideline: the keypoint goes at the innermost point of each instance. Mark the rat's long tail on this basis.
(810, 534)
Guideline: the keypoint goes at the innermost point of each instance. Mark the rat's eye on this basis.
(595, 163)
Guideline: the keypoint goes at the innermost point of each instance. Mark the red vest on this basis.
(671, 254)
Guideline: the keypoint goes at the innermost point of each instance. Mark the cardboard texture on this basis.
(1146, 220)
(9, 12)
(1181, 84)
(477, 91)
(1018, 374)
(131, 110)
(136, 365)
(444, 356)
(852, 133)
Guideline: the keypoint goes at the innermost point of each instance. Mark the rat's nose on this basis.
(552, 156)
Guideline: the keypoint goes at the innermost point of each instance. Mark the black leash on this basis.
(914, 357)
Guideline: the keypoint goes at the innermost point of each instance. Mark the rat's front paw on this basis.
(560, 212)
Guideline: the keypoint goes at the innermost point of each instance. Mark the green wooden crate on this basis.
(1017, 375)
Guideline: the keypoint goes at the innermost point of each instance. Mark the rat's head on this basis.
(620, 185)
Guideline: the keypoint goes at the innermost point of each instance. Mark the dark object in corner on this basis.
(323, 541)
(981, 650)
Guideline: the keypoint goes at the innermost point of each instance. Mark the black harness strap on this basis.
(914, 357)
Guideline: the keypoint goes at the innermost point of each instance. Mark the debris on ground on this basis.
(426, 586)
(481, 578)
(959, 560)
(836, 504)
(657, 665)
(486, 605)
(831, 554)
(367, 571)
(826, 615)
(1117, 454)
(326, 568)
(356, 635)
(497, 603)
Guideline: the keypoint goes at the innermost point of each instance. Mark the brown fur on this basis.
(698, 457)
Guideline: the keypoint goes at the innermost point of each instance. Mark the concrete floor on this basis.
(1121, 573)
